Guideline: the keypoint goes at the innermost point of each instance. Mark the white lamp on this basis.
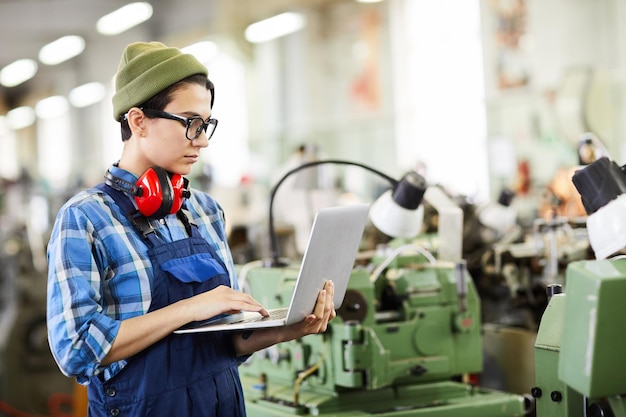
(397, 213)
(602, 186)
(499, 216)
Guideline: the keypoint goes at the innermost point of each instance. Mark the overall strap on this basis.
(190, 226)
(138, 220)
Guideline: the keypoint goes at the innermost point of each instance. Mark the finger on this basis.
(250, 303)
(315, 324)
(330, 304)
(320, 306)
(330, 288)
(241, 301)
(330, 291)
(256, 308)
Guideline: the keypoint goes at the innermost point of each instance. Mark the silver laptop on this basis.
(332, 248)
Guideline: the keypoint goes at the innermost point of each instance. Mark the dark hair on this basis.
(162, 99)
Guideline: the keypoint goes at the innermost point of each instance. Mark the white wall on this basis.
(575, 60)
(393, 85)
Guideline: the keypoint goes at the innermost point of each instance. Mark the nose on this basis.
(201, 141)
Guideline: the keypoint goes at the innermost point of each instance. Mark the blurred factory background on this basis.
(493, 101)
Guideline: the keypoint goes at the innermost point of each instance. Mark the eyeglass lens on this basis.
(197, 125)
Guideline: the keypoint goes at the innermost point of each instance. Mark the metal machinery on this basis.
(405, 344)
(580, 369)
(526, 267)
(579, 350)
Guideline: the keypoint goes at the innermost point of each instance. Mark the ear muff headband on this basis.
(157, 193)
(180, 189)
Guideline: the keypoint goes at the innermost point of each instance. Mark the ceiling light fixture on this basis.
(204, 51)
(17, 72)
(51, 107)
(275, 27)
(20, 117)
(87, 94)
(124, 18)
(61, 50)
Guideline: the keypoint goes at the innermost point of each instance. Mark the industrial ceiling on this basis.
(27, 25)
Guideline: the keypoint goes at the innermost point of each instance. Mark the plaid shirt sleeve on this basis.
(78, 333)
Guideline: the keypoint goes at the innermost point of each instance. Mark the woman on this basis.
(125, 272)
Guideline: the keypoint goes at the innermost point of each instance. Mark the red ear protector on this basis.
(157, 192)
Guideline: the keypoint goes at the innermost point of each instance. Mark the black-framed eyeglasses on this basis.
(194, 125)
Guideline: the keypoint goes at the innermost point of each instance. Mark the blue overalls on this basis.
(182, 374)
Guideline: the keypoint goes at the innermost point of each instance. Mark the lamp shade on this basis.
(599, 183)
(394, 220)
(607, 228)
(602, 187)
(399, 212)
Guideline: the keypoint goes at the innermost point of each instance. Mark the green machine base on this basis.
(438, 399)
(579, 348)
(399, 346)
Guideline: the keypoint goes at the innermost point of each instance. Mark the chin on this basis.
(181, 169)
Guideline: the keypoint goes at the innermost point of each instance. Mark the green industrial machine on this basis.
(579, 351)
(406, 342)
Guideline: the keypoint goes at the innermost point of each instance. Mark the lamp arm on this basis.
(272, 233)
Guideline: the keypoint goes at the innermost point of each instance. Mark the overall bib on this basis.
(181, 375)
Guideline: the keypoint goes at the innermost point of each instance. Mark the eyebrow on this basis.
(189, 114)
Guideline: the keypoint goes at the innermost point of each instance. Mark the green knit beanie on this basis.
(146, 69)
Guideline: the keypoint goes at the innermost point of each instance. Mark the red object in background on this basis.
(245, 179)
(523, 177)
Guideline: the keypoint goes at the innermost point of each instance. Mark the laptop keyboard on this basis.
(275, 314)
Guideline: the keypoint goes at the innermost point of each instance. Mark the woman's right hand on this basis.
(221, 300)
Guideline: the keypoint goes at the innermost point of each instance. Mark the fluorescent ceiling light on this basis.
(124, 18)
(275, 27)
(18, 72)
(51, 107)
(87, 94)
(61, 50)
(20, 117)
(204, 51)
(4, 129)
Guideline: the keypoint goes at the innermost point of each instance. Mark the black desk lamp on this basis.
(397, 212)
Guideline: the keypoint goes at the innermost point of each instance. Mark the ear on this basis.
(136, 121)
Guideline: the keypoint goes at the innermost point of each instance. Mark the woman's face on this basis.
(165, 143)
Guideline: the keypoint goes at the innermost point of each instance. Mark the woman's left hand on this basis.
(324, 311)
(314, 323)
